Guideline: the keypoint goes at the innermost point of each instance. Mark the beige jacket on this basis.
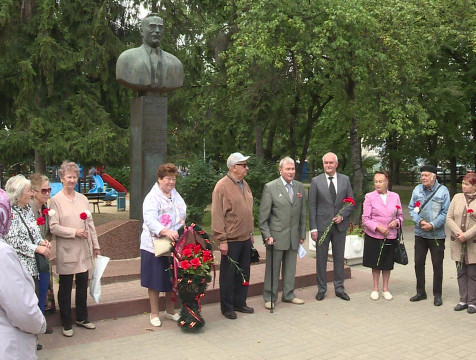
(453, 220)
(73, 254)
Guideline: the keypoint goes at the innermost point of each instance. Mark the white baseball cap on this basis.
(235, 158)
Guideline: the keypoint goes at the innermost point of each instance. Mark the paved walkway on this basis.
(330, 329)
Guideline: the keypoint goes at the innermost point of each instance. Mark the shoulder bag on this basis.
(400, 253)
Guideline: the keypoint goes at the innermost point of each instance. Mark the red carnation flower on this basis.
(349, 200)
(195, 262)
(398, 207)
(197, 249)
(417, 204)
(83, 216)
(470, 211)
(40, 221)
(207, 255)
(245, 283)
(45, 211)
(187, 252)
(185, 265)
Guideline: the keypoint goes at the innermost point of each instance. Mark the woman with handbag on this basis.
(164, 212)
(41, 194)
(461, 219)
(24, 235)
(76, 246)
(382, 215)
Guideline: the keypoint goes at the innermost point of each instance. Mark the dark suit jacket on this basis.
(281, 219)
(133, 70)
(321, 208)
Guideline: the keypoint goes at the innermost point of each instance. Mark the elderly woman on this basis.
(41, 194)
(382, 215)
(461, 219)
(164, 212)
(20, 318)
(76, 245)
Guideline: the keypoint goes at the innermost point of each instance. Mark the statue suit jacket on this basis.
(321, 208)
(133, 70)
(281, 219)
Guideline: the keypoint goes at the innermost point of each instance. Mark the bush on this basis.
(121, 174)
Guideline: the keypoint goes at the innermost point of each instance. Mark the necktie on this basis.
(154, 60)
(332, 189)
(289, 187)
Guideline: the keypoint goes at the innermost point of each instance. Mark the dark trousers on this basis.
(437, 253)
(338, 246)
(64, 298)
(467, 283)
(43, 284)
(232, 291)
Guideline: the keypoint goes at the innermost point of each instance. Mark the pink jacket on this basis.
(377, 213)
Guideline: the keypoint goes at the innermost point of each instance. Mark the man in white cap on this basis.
(232, 225)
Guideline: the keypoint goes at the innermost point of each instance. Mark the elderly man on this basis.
(282, 221)
(232, 225)
(428, 208)
(326, 197)
(147, 67)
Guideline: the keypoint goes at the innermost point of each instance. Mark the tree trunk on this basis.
(259, 141)
(268, 151)
(453, 179)
(40, 165)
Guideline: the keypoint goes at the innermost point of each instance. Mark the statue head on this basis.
(152, 29)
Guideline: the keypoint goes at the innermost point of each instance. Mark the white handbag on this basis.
(162, 246)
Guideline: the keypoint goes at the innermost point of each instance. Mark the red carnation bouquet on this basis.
(195, 261)
(347, 202)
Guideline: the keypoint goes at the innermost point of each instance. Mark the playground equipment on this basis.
(111, 194)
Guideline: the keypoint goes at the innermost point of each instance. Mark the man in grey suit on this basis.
(282, 222)
(147, 67)
(325, 200)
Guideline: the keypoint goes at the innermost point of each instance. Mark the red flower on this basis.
(190, 246)
(195, 262)
(349, 200)
(187, 252)
(470, 211)
(398, 207)
(207, 256)
(417, 204)
(45, 211)
(40, 221)
(197, 249)
(185, 265)
(245, 283)
(83, 216)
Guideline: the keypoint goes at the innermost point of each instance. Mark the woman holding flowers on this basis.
(461, 219)
(41, 194)
(164, 212)
(76, 245)
(382, 215)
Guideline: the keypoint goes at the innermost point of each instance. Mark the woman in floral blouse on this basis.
(164, 212)
(24, 235)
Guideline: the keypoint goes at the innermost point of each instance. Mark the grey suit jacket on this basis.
(281, 219)
(133, 70)
(321, 208)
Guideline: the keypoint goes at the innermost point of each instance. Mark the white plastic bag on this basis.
(95, 284)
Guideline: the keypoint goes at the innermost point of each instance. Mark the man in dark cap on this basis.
(428, 208)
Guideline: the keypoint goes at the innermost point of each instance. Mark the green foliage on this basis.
(196, 188)
(121, 174)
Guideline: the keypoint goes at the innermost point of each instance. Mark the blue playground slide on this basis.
(111, 194)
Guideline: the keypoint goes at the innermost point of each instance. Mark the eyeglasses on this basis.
(44, 191)
(244, 165)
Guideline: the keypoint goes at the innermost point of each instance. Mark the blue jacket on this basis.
(434, 212)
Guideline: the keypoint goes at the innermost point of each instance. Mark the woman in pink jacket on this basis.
(381, 217)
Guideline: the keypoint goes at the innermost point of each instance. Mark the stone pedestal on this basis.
(148, 146)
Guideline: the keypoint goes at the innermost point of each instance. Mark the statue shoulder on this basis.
(133, 53)
(171, 59)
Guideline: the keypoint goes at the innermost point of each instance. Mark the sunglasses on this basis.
(44, 191)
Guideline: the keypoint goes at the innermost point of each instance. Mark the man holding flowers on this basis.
(428, 208)
(330, 204)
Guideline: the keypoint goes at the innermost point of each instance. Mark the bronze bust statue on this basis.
(147, 67)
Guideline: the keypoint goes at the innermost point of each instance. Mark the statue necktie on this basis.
(155, 65)
(290, 191)
(332, 189)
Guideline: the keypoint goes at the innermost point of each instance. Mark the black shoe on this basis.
(418, 297)
(230, 315)
(244, 309)
(471, 310)
(460, 307)
(39, 347)
(49, 330)
(438, 301)
(320, 296)
(343, 296)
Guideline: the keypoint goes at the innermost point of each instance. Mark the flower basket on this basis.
(192, 265)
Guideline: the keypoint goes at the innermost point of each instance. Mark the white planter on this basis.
(354, 249)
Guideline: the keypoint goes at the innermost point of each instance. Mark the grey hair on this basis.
(68, 166)
(330, 153)
(15, 187)
(37, 180)
(285, 160)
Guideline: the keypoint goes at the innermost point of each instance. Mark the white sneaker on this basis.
(173, 317)
(155, 321)
(374, 295)
(387, 295)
